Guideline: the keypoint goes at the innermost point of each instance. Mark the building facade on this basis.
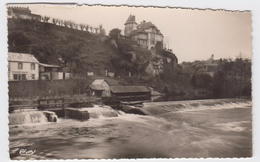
(22, 66)
(52, 72)
(23, 13)
(146, 34)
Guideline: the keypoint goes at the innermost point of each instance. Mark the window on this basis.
(23, 76)
(54, 69)
(19, 76)
(33, 76)
(32, 66)
(20, 65)
(15, 77)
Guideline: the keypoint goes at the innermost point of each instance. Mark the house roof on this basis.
(47, 65)
(98, 81)
(137, 31)
(129, 89)
(35, 15)
(144, 25)
(96, 87)
(21, 57)
(131, 19)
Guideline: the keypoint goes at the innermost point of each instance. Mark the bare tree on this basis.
(87, 27)
(66, 23)
(82, 26)
(60, 22)
(75, 26)
(100, 28)
(96, 30)
(70, 24)
(45, 19)
(55, 21)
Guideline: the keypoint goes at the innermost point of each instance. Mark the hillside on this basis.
(83, 51)
(59, 45)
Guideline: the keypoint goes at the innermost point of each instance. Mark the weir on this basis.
(88, 113)
(29, 117)
(150, 108)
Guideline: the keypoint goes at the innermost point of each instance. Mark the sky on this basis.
(192, 34)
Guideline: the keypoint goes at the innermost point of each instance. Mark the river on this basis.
(182, 129)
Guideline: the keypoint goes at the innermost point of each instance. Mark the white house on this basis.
(22, 66)
(146, 34)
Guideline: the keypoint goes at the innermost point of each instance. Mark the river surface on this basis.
(183, 129)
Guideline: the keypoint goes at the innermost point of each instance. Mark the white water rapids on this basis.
(206, 128)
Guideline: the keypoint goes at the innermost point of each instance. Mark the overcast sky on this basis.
(192, 34)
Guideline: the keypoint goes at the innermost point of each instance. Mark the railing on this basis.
(48, 105)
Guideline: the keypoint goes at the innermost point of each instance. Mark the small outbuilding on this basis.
(131, 93)
(98, 87)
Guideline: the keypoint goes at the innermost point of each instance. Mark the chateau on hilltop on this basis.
(146, 34)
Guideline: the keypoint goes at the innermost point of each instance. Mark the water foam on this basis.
(27, 117)
(218, 106)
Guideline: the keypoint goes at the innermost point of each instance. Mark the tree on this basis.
(45, 19)
(87, 27)
(75, 26)
(18, 41)
(114, 33)
(66, 23)
(204, 81)
(55, 21)
(82, 26)
(193, 81)
(70, 24)
(96, 30)
(59, 22)
(242, 69)
(103, 32)
(233, 77)
(100, 27)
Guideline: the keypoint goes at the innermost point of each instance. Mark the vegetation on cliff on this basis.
(83, 51)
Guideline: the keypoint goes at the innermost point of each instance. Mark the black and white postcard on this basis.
(128, 82)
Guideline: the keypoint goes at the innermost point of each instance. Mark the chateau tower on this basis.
(130, 25)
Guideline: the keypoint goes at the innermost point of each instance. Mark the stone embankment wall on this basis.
(42, 88)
